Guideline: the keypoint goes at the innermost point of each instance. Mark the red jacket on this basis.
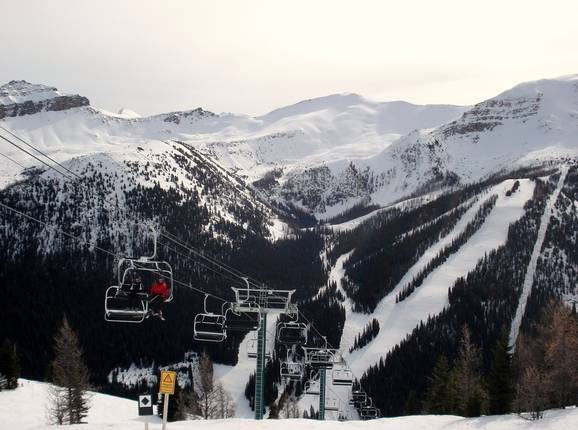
(160, 289)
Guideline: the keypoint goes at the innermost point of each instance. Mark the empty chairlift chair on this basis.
(331, 404)
(321, 358)
(252, 349)
(358, 399)
(292, 333)
(311, 387)
(209, 327)
(343, 377)
(259, 299)
(291, 370)
(241, 321)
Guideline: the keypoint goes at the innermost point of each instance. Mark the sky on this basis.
(254, 56)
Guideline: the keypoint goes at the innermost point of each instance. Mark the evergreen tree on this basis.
(501, 379)
(467, 379)
(412, 404)
(440, 397)
(68, 397)
(9, 365)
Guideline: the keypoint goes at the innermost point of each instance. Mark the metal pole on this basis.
(260, 369)
(146, 425)
(322, 381)
(165, 411)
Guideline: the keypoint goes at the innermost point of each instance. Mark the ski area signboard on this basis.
(145, 404)
(168, 379)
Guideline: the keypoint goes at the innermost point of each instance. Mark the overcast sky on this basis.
(254, 56)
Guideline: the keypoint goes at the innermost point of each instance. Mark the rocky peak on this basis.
(19, 98)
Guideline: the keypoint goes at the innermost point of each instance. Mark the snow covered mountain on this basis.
(437, 216)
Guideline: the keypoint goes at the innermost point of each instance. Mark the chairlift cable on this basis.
(39, 151)
(35, 157)
(11, 159)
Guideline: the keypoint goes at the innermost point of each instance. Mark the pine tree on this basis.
(440, 396)
(501, 379)
(69, 401)
(467, 380)
(206, 385)
(412, 404)
(9, 365)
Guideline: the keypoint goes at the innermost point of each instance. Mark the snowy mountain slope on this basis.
(532, 123)
(398, 319)
(334, 129)
(327, 154)
(23, 409)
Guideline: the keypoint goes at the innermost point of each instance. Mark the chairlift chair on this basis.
(312, 388)
(241, 321)
(119, 306)
(342, 377)
(291, 370)
(369, 413)
(321, 358)
(208, 326)
(358, 398)
(128, 301)
(257, 299)
(252, 349)
(331, 404)
(292, 333)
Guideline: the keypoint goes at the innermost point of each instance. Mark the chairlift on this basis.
(292, 333)
(342, 377)
(291, 370)
(312, 388)
(369, 413)
(320, 358)
(128, 301)
(119, 306)
(252, 348)
(241, 321)
(208, 326)
(358, 399)
(259, 299)
(331, 404)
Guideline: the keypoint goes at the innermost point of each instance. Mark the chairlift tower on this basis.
(262, 301)
(322, 388)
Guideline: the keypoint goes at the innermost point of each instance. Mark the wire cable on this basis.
(35, 157)
(11, 159)
(39, 151)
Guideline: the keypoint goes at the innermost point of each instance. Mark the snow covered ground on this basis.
(24, 408)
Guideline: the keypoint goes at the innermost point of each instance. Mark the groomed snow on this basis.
(23, 409)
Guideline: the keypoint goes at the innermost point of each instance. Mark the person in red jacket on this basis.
(159, 292)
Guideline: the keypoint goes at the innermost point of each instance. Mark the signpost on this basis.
(167, 387)
(145, 407)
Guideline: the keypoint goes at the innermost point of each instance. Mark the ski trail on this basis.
(530, 271)
(235, 378)
(397, 320)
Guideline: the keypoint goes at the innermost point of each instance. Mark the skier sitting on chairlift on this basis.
(159, 293)
(133, 288)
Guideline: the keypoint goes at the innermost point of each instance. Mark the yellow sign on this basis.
(168, 378)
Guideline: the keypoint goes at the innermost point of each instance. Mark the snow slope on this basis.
(396, 320)
(23, 409)
(531, 270)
